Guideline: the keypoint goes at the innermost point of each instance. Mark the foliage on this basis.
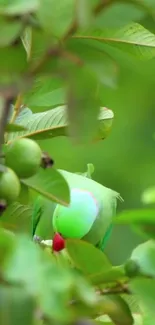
(56, 61)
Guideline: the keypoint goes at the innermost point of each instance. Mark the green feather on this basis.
(37, 213)
(100, 228)
(93, 227)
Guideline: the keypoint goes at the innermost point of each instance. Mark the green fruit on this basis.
(131, 268)
(24, 157)
(9, 186)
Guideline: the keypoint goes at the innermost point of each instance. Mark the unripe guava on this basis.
(24, 157)
(131, 268)
(9, 186)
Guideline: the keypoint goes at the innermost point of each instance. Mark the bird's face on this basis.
(75, 220)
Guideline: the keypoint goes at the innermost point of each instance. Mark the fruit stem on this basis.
(17, 106)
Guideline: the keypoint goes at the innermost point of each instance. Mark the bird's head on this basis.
(76, 220)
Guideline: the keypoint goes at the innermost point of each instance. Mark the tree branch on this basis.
(17, 106)
(119, 289)
(100, 7)
(3, 120)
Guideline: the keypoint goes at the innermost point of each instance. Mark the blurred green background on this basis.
(125, 160)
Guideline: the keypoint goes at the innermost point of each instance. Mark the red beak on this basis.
(58, 242)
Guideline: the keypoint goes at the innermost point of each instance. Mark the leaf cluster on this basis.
(56, 59)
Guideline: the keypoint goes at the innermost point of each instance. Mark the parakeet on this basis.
(89, 215)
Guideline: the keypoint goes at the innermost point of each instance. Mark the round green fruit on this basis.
(131, 268)
(9, 186)
(24, 157)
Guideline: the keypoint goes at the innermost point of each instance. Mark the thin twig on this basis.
(57, 50)
(115, 290)
(122, 289)
(17, 106)
(52, 52)
(103, 4)
(3, 121)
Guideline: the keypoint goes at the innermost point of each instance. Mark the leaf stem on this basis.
(17, 106)
(3, 120)
(115, 290)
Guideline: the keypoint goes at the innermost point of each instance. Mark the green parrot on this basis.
(89, 215)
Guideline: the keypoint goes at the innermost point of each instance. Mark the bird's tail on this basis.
(36, 214)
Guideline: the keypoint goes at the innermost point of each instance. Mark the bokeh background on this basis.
(125, 161)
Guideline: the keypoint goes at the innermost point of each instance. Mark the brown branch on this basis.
(17, 106)
(115, 290)
(4, 116)
(52, 52)
(58, 51)
(118, 289)
(103, 4)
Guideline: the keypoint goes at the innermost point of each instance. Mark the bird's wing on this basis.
(36, 214)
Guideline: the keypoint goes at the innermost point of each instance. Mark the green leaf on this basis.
(45, 94)
(142, 221)
(40, 43)
(17, 217)
(11, 127)
(148, 196)
(23, 197)
(133, 303)
(42, 125)
(12, 61)
(16, 306)
(51, 184)
(84, 12)
(144, 289)
(18, 7)
(132, 39)
(100, 63)
(85, 292)
(135, 216)
(55, 123)
(87, 257)
(103, 320)
(82, 102)
(117, 309)
(144, 256)
(9, 31)
(56, 17)
(7, 242)
(47, 100)
(25, 113)
(114, 274)
(41, 277)
(2, 168)
(119, 14)
(148, 5)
